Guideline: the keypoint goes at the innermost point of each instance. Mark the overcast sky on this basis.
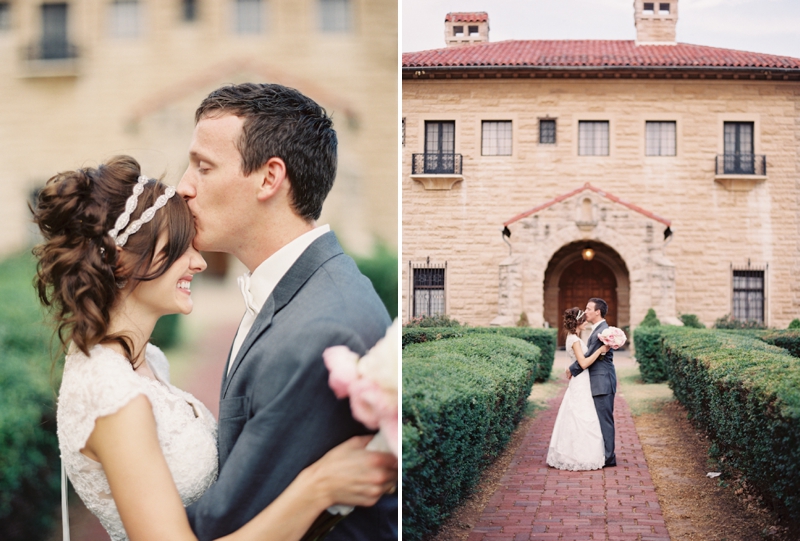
(764, 26)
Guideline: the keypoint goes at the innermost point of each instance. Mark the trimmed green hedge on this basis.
(746, 394)
(462, 398)
(544, 339)
(788, 340)
(29, 474)
(649, 345)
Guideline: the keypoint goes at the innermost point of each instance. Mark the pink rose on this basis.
(613, 337)
(343, 368)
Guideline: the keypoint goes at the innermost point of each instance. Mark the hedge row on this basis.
(462, 398)
(788, 340)
(544, 339)
(29, 475)
(746, 394)
(649, 345)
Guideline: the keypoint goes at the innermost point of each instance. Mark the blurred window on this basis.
(54, 32)
(429, 292)
(189, 10)
(593, 138)
(659, 138)
(5, 16)
(125, 18)
(748, 295)
(496, 138)
(547, 131)
(248, 16)
(335, 16)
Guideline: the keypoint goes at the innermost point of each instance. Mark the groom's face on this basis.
(592, 314)
(220, 196)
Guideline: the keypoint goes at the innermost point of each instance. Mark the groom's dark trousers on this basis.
(603, 378)
(277, 414)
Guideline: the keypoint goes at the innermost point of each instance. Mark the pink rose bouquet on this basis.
(371, 384)
(613, 337)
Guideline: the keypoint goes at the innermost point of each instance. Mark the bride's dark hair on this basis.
(79, 267)
(572, 321)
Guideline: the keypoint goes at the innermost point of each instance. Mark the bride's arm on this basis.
(126, 444)
(584, 361)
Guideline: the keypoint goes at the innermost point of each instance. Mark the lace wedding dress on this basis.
(102, 384)
(577, 443)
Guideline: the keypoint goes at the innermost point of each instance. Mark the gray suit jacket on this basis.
(602, 373)
(277, 414)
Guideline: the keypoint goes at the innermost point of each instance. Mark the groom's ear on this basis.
(272, 177)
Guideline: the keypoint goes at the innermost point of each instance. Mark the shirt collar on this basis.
(598, 323)
(267, 275)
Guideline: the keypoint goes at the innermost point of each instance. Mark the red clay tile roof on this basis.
(596, 190)
(592, 54)
(473, 17)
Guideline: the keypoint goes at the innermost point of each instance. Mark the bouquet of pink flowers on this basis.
(613, 337)
(371, 384)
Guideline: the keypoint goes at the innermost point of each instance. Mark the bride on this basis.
(117, 255)
(577, 443)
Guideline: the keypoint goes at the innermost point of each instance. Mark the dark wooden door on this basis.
(581, 281)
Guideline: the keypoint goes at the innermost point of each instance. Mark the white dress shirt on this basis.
(596, 324)
(258, 285)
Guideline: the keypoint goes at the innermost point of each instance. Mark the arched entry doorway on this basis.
(569, 281)
(582, 280)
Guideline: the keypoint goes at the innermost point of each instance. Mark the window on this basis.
(248, 17)
(593, 138)
(189, 10)
(5, 16)
(473, 30)
(54, 44)
(748, 295)
(335, 15)
(496, 138)
(124, 20)
(738, 142)
(663, 8)
(659, 138)
(440, 147)
(547, 131)
(649, 8)
(428, 295)
(458, 31)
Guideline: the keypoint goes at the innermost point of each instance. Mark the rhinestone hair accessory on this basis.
(580, 314)
(120, 238)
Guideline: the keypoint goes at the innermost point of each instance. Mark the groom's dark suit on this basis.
(603, 379)
(277, 414)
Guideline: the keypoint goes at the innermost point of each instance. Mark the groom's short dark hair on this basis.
(281, 122)
(600, 304)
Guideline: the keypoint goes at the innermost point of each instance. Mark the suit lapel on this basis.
(320, 251)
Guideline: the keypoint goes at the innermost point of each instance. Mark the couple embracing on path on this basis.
(121, 249)
(583, 435)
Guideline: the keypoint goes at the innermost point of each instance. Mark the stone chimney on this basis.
(466, 28)
(655, 22)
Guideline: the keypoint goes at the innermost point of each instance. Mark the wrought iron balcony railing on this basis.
(436, 164)
(742, 164)
(51, 50)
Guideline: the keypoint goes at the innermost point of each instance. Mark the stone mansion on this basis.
(651, 173)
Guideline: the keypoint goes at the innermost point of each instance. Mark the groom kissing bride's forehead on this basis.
(261, 162)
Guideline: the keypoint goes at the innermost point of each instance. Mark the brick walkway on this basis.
(535, 501)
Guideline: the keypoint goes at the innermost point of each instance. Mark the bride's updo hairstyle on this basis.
(573, 317)
(80, 271)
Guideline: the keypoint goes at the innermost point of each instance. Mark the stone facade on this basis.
(137, 95)
(718, 222)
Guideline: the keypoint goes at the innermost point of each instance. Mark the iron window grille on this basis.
(741, 164)
(749, 296)
(593, 138)
(496, 138)
(428, 289)
(547, 131)
(436, 164)
(660, 138)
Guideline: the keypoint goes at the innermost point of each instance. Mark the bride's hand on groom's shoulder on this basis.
(348, 474)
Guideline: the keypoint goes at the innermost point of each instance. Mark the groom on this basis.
(603, 376)
(261, 162)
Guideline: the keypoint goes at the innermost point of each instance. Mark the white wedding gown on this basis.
(577, 442)
(102, 384)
